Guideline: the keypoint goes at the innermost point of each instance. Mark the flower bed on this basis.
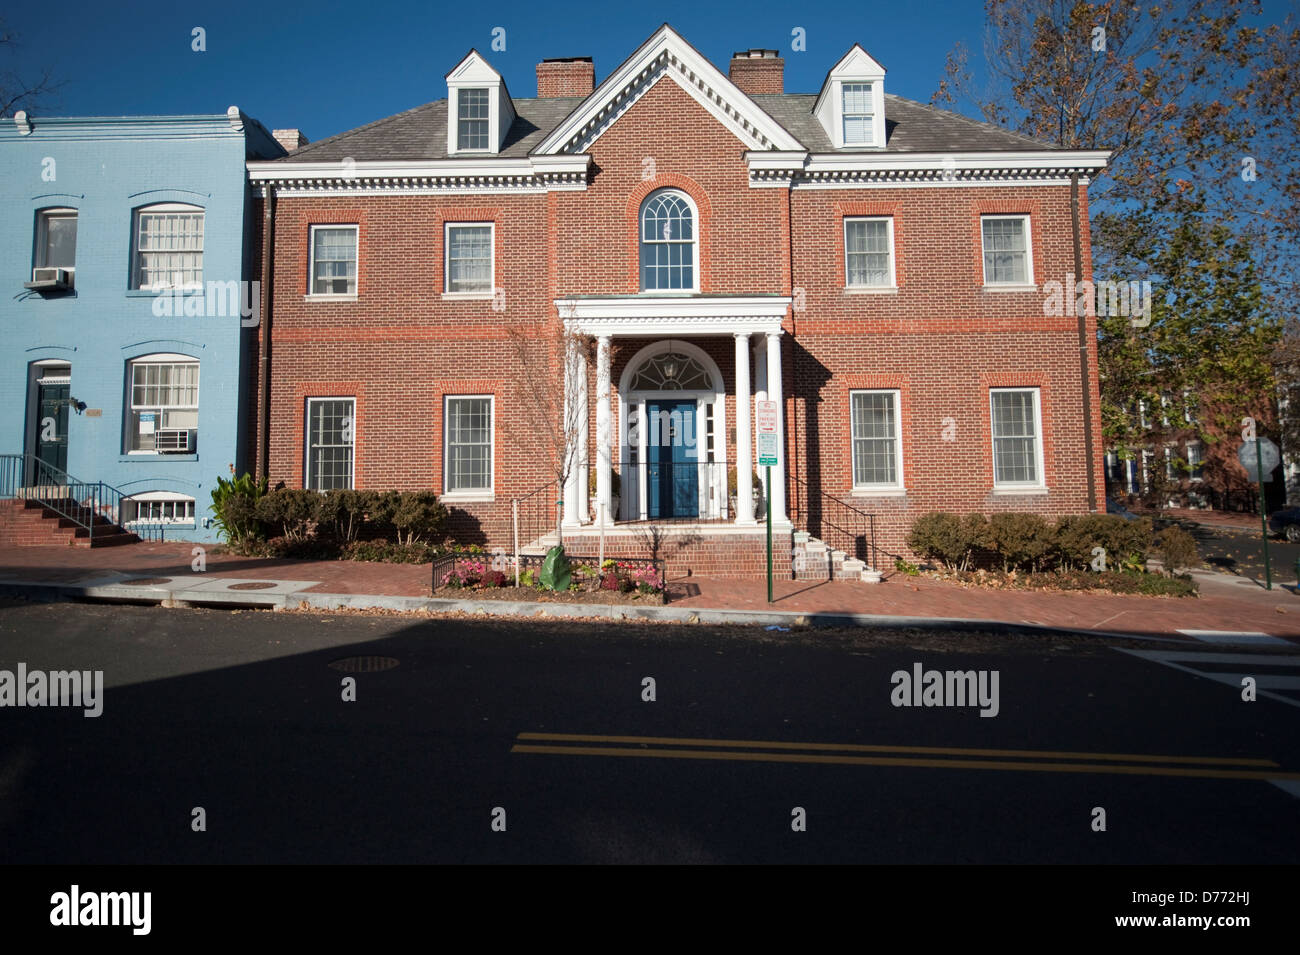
(1109, 581)
(618, 579)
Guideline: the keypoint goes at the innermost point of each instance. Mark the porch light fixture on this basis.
(669, 367)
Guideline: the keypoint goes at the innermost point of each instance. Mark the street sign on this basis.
(1248, 457)
(765, 417)
(767, 449)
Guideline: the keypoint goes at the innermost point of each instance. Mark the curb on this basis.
(114, 592)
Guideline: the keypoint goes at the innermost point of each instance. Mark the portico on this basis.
(672, 450)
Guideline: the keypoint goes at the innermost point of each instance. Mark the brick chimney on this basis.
(566, 76)
(290, 139)
(758, 71)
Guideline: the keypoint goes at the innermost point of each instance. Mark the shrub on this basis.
(419, 516)
(310, 548)
(611, 581)
(906, 567)
(1177, 548)
(733, 481)
(1125, 542)
(1022, 541)
(234, 509)
(615, 485)
(342, 512)
(949, 538)
(494, 578)
(291, 511)
(388, 552)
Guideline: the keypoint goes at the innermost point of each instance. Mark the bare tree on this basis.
(555, 401)
(16, 92)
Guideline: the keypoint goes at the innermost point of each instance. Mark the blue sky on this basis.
(326, 67)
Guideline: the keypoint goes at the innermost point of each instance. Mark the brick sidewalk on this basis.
(1276, 612)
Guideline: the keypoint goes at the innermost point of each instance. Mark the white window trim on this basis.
(1028, 284)
(898, 487)
(446, 263)
(877, 112)
(492, 119)
(893, 267)
(1200, 461)
(312, 296)
(165, 497)
(162, 358)
(306, 437)
(135, 243)
(1004, 487)
(695, 244)
(871, 92)
(43, 216)
(478, 494)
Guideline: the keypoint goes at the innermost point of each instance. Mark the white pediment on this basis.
(473, 69)
(667, 55)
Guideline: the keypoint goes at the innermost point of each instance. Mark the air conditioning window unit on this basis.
(49, 278)
(171, 441)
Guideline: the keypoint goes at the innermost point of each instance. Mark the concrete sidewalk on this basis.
(163, 572)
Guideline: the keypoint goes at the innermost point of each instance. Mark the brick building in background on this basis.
(874, 265)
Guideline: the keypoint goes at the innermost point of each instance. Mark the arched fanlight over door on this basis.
(671, 371)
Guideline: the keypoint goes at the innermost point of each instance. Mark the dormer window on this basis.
(851, 105)
(479, 110)
(472, 119)
(856, 106)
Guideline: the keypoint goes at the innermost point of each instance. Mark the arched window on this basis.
(669, 252)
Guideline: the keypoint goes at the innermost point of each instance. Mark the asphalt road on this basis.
(1242, 553)
(241, 714)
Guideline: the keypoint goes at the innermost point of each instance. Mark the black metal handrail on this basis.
(87, 504)
(705, 486)
(536, 517)
(837, 523)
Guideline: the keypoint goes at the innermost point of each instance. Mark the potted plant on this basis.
(732, 493)
(614, 487)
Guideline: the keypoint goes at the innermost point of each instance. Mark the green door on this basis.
(51, 433)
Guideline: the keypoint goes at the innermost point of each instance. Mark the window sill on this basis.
(467, 296)
(1027, 489)
(871, 290)
(1017, 287)
(330, 298)
(468, 497)
(878, 492)
(155, 456)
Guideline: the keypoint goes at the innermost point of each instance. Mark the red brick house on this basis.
(872, 264)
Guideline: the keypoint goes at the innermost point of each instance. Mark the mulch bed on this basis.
(546, 596)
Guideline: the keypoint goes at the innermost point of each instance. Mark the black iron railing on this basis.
(837, 523)
(538, 511)
(695, 492)
(91, 505)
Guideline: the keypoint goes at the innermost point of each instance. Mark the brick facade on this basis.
(943, 340)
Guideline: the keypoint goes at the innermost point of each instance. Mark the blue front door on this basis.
(672, 470)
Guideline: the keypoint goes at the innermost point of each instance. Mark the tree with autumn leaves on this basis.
(1199, 103)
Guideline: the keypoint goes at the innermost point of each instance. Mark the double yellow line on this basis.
(929, 757)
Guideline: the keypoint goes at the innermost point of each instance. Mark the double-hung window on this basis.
(331, 439)
(333, 260)
(1194, 461)
(467, 449)
(472, 119)
(168, 247)
(877, 452)
(1017, 438)
(869, 252)
(469, 263)
(856, 101)
(669, 252)
(56, 239)
(1007, 258)
(163, 412)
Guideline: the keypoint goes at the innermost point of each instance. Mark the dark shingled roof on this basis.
(421, 133)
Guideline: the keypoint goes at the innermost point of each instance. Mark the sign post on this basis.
(1259, 457)
(768, 447)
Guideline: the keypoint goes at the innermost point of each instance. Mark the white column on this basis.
(603, 431)
(582, 461)
(643, 447)
(744, 435)
(777, 490)
(572, 516)
(760, 394)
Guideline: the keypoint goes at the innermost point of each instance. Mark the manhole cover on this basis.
(147, 581)
(252, 585)
(364, 664)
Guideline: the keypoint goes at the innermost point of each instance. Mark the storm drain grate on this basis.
(364, 664)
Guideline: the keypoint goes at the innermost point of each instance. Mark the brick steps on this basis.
(31, 524)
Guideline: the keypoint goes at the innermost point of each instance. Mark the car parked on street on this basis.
(1286, 522)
